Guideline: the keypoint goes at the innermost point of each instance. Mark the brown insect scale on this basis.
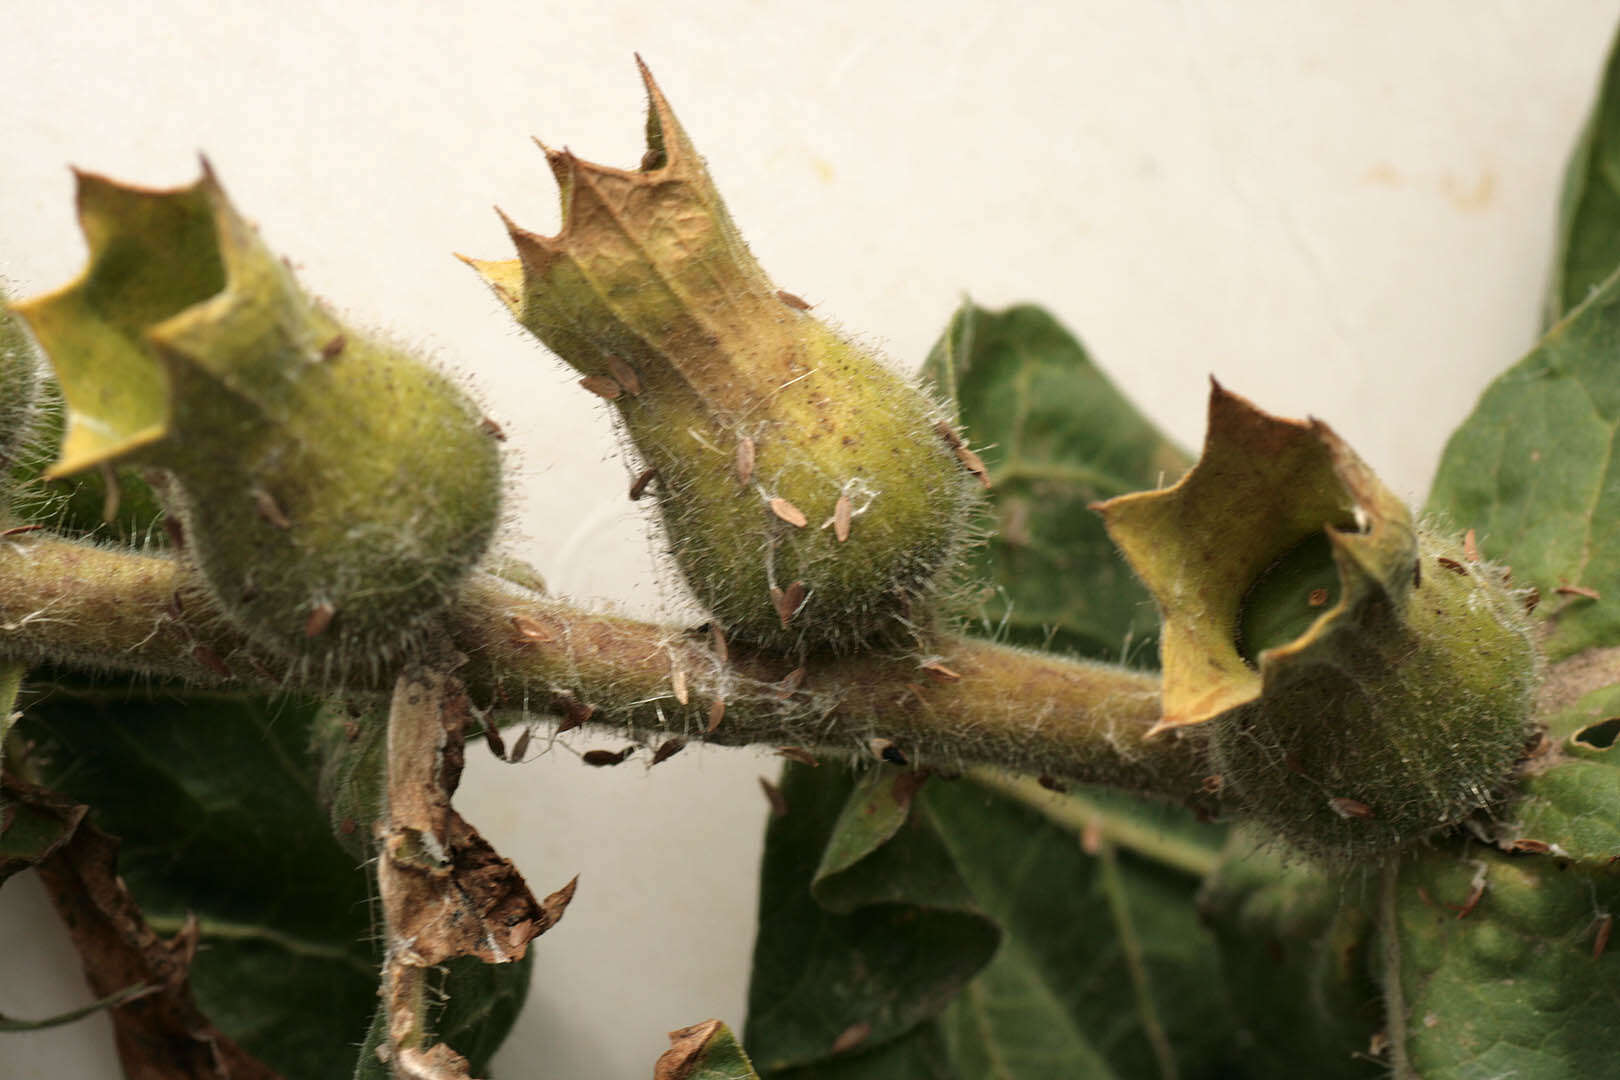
(948, 433)
(493, 428)
(1470, 546)
(1452, 564)
(717, 713)
(599, 758)
(639, 485)
(795, 302)
(602, 386)
(717, 641)
(842, 512)
(1531, 847)
(1578, 590)
(492, 735)
(320, 617)
(941, 672)
(332, 348)
(575, 713)
(851, 1037)
(532, 630)
(624, 375)
(1351, 808)
(669, 749)
(789, 513)
(1601, 942)
(788, 601)
(745, 460)
(799, 754)
(270, 510)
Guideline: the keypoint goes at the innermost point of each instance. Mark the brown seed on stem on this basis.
(717, 713)
(948, 433)
(639, 485)
(602, 386)
(1605, 924)
(794, 302)
(1470, 546)
(575, 713)
(320, 617)
(669, 749)
(492, 428)
(624, 375)
(1350, 808)
(599, 758)
(974, 464)
(333, 347)
(1452, 564)
(1578, 590)
(790, 682)
(521, 747)
(941, 672)
(842, 511)
(799, 754)
(1531, 847)
(532, 631)
(492, 735)
(717, 642)
(745, 460)
(788, 601)
(789, 513)
(270, 510)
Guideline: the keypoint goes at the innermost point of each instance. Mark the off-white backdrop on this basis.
(1339, 209)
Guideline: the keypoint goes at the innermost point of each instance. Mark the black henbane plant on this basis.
(1362, 820)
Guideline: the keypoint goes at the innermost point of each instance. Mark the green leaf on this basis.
(1057, 436)
(1589, 207)
(887, 960)
(1296, 947)
(919, 1054)
(1518, 987)
(34, 823)
(1569, 797)
(1105, 969)
(1532, 471)
(213, 799)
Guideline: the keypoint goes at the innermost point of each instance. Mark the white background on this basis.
(1339, 209)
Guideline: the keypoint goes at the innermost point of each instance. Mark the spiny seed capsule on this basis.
(333, 488)
(757, 417)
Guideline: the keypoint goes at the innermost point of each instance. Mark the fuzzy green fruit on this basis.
(811, 495)
(333, 488)
(1365, 683)
(19, 398)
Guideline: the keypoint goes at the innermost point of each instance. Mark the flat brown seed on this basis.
(1470, 547)
(270, 510)
(521, 747)
(774, 796)
(575, 713)
(639, 486)
(795, 302)
(669, 749)
(717, 641)
(948, 433)
(799, 754)
(492, 428)
(677, 679)
(624, 375)
(789, 513)
(599, 758)
(602, 386)
(974, 464)
(320, 617)
(333, 347)
(851, 1037)
(941, 672)
(745, 460)
(842, 511)
(779, 601)
(717, 713)
(1578, 590)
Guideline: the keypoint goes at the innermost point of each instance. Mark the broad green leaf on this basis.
(214, 799)
(34, 823)
(1522, 986)
(1589, 207)
(919, 1054)
(1056, 437)
(1569, 797)
(883, 963)
(1532, 471)
(1296, 950)
(1105, 969)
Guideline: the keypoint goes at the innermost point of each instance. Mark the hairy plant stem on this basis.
(966, 702)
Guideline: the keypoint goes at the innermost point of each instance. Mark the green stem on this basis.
(1389, 929)
(1077, 813)
(970, 702)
